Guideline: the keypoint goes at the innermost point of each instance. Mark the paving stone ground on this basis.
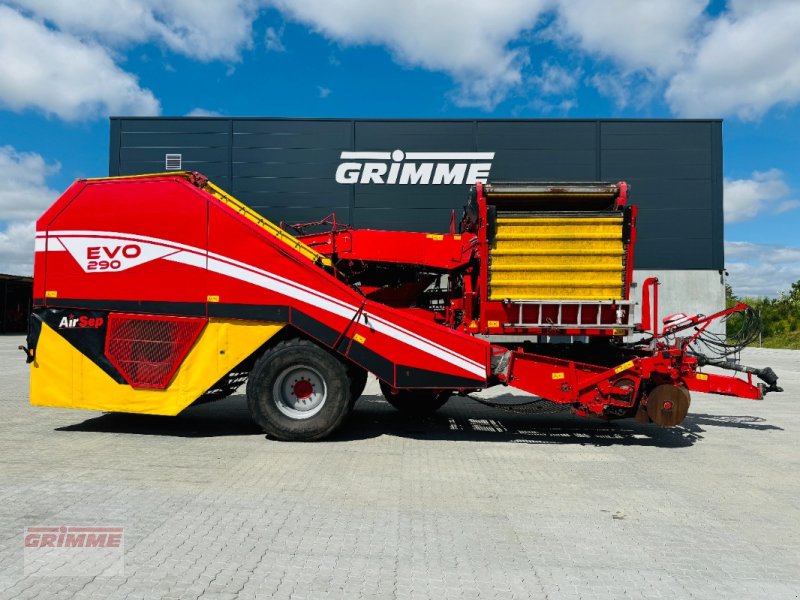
(472, 503)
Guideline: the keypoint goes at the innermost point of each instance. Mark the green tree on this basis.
(780, 317)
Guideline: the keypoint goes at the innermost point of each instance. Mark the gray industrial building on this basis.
(402, 174)
(16, 293)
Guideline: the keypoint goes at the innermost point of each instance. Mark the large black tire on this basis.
(416, 403)
(358, 381)
(298, 392)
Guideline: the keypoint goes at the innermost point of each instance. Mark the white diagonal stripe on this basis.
(230, 267)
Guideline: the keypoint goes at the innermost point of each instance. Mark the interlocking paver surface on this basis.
(474, 502)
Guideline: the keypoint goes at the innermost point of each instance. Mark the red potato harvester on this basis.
(156, 292)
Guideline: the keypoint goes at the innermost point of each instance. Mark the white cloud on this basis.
(552, 85)
(652, 36)
(16, 248)
(737, 63)
(556, 80)
(273, 39)
(761, 269)
(23, 189)
(468, 39)
(323, 91)
(201, 30)
(749, 251)
(24, 195)
(710, 66)
(61, 75)
(745, 64)
(764, 191)
(614, 86)
(539, 106)
(786, 206)
(203, 112)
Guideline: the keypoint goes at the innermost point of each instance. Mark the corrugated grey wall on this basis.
(285, 169)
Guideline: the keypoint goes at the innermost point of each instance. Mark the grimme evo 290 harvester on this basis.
(155, 292)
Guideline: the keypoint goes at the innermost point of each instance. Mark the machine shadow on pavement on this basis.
(461, 419)
(694, 421)
(227, 417)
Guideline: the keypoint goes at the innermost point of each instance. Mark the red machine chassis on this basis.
(113, 246)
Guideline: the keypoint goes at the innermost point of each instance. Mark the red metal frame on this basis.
(217, 262)
(650, 308)
(725, 385)
(622, 198)
(483, 257)
(702, 322)
(148, 349)
(631, 246)
(494, 316)
(453, 253)
(440, 251)
(593, 387)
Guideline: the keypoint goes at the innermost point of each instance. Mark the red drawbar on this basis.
(148, 349)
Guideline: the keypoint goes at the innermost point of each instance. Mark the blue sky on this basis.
(66, 66)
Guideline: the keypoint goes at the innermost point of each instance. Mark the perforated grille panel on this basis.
(147, 350)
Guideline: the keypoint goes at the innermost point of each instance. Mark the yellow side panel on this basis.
(557, 258)
(62, 376)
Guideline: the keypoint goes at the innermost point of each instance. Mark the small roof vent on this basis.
(174, 162)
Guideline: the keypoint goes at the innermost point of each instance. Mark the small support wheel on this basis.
(417, 403)
(668, 404)
(298, 392)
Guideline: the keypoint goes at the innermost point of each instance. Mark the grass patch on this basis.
(789, 340)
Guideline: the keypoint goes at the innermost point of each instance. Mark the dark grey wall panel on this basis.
(420, 206)
(293, 214)
(674, 193)
(144, 154)
(320, 187)
(285, 155)
(536, 135)
(193, 125)
(410, 196)
(281, 140)
(717, 232)
(695, 223)
(550, 165)
(258, 200)
(209, 169)
(175, 140)
(141, 146)
(433, 136)
(289, 170)
(403, 219)
(670, 166)
(540, 150)
(623, 135)
(647, 163)
(285, 169)
(683, 256)
(315, 127)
